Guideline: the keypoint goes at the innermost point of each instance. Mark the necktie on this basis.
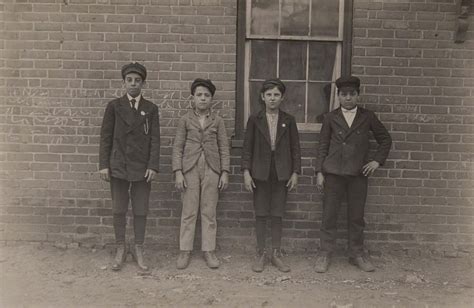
(132, 102)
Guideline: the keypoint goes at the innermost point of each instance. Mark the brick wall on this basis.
(60, 64)
(422, 86)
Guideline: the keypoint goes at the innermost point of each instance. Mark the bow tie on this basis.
(349, 111)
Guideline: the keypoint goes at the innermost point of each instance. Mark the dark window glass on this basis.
(263, 59)
(294, 102)
(325, 18)
(319, 97)
(264, 17)
(295, 17)
(293, 60)
(322, 57)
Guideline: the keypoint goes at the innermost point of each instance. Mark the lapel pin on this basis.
(142, 113)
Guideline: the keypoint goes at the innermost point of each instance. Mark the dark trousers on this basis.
(123, 193)
(269, 197)
(355, 190)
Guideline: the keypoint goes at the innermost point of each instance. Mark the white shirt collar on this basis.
(353, 110)
(137, 99)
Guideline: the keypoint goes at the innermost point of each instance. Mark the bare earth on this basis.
(35, 275)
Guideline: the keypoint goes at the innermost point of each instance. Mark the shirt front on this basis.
(349, 115)
(137, 101)
(272, 120)
(202, 117)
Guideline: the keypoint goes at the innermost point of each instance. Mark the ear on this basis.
(262, 96)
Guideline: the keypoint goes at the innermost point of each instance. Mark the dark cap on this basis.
(272, 83)
(348, 82)
(203, 83)
(134, 67)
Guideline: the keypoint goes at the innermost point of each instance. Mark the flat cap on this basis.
(203, 83)
(271, 83)
(348, 82)
(134, 67)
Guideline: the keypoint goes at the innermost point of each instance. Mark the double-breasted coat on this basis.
(129, 139)
(257, 151)
(344, 150)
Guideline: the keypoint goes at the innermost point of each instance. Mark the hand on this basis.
(105, 174)
(180, 182)
(248, 181)
(292, 182)
(150, 175)
(320, 182)
(370, 167)
(223, 181)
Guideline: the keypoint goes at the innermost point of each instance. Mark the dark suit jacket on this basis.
(130, 142)
(257, 151)
(343, 150)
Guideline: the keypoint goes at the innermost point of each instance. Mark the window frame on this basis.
(241, 57)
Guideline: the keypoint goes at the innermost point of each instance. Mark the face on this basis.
(348, 98)
(133, 83)
(202, 99)
(272, 99)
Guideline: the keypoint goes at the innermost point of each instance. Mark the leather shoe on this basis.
(278, 262)
(120, 258)
(322, 263)
(260, 260)
(362, 262)
(137, 254)
(183, 259)
(211, 259)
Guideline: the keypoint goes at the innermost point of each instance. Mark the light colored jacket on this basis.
(191, 140)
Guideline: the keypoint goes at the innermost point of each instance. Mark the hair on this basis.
(268, 86)
(357, 89)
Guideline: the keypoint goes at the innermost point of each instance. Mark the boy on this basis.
(343, 167)
(201, 163)
(129, 158)
(271, 162)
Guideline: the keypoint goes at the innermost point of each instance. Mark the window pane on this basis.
(322, 57)
(263, 59)
(319, 97)
(293, 60)
(254, 100)
(264, 17)
(295, 17)
(294, 102)
(325, 18)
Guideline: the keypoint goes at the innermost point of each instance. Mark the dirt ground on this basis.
(35, 275)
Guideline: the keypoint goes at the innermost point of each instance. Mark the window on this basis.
(302, 42)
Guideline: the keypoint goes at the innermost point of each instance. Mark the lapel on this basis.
(340, 120)
(209, 120)
(282, 126)
(125, 111)
(193, 119)
(142, 114)
(262, 125)
(359, 118)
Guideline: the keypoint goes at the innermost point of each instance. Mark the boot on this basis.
(259, 263)
(278, 262)
(211, 259)
(183, 259)
(362, 262)
(137, 254)
(322, 262)
(120, 258)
